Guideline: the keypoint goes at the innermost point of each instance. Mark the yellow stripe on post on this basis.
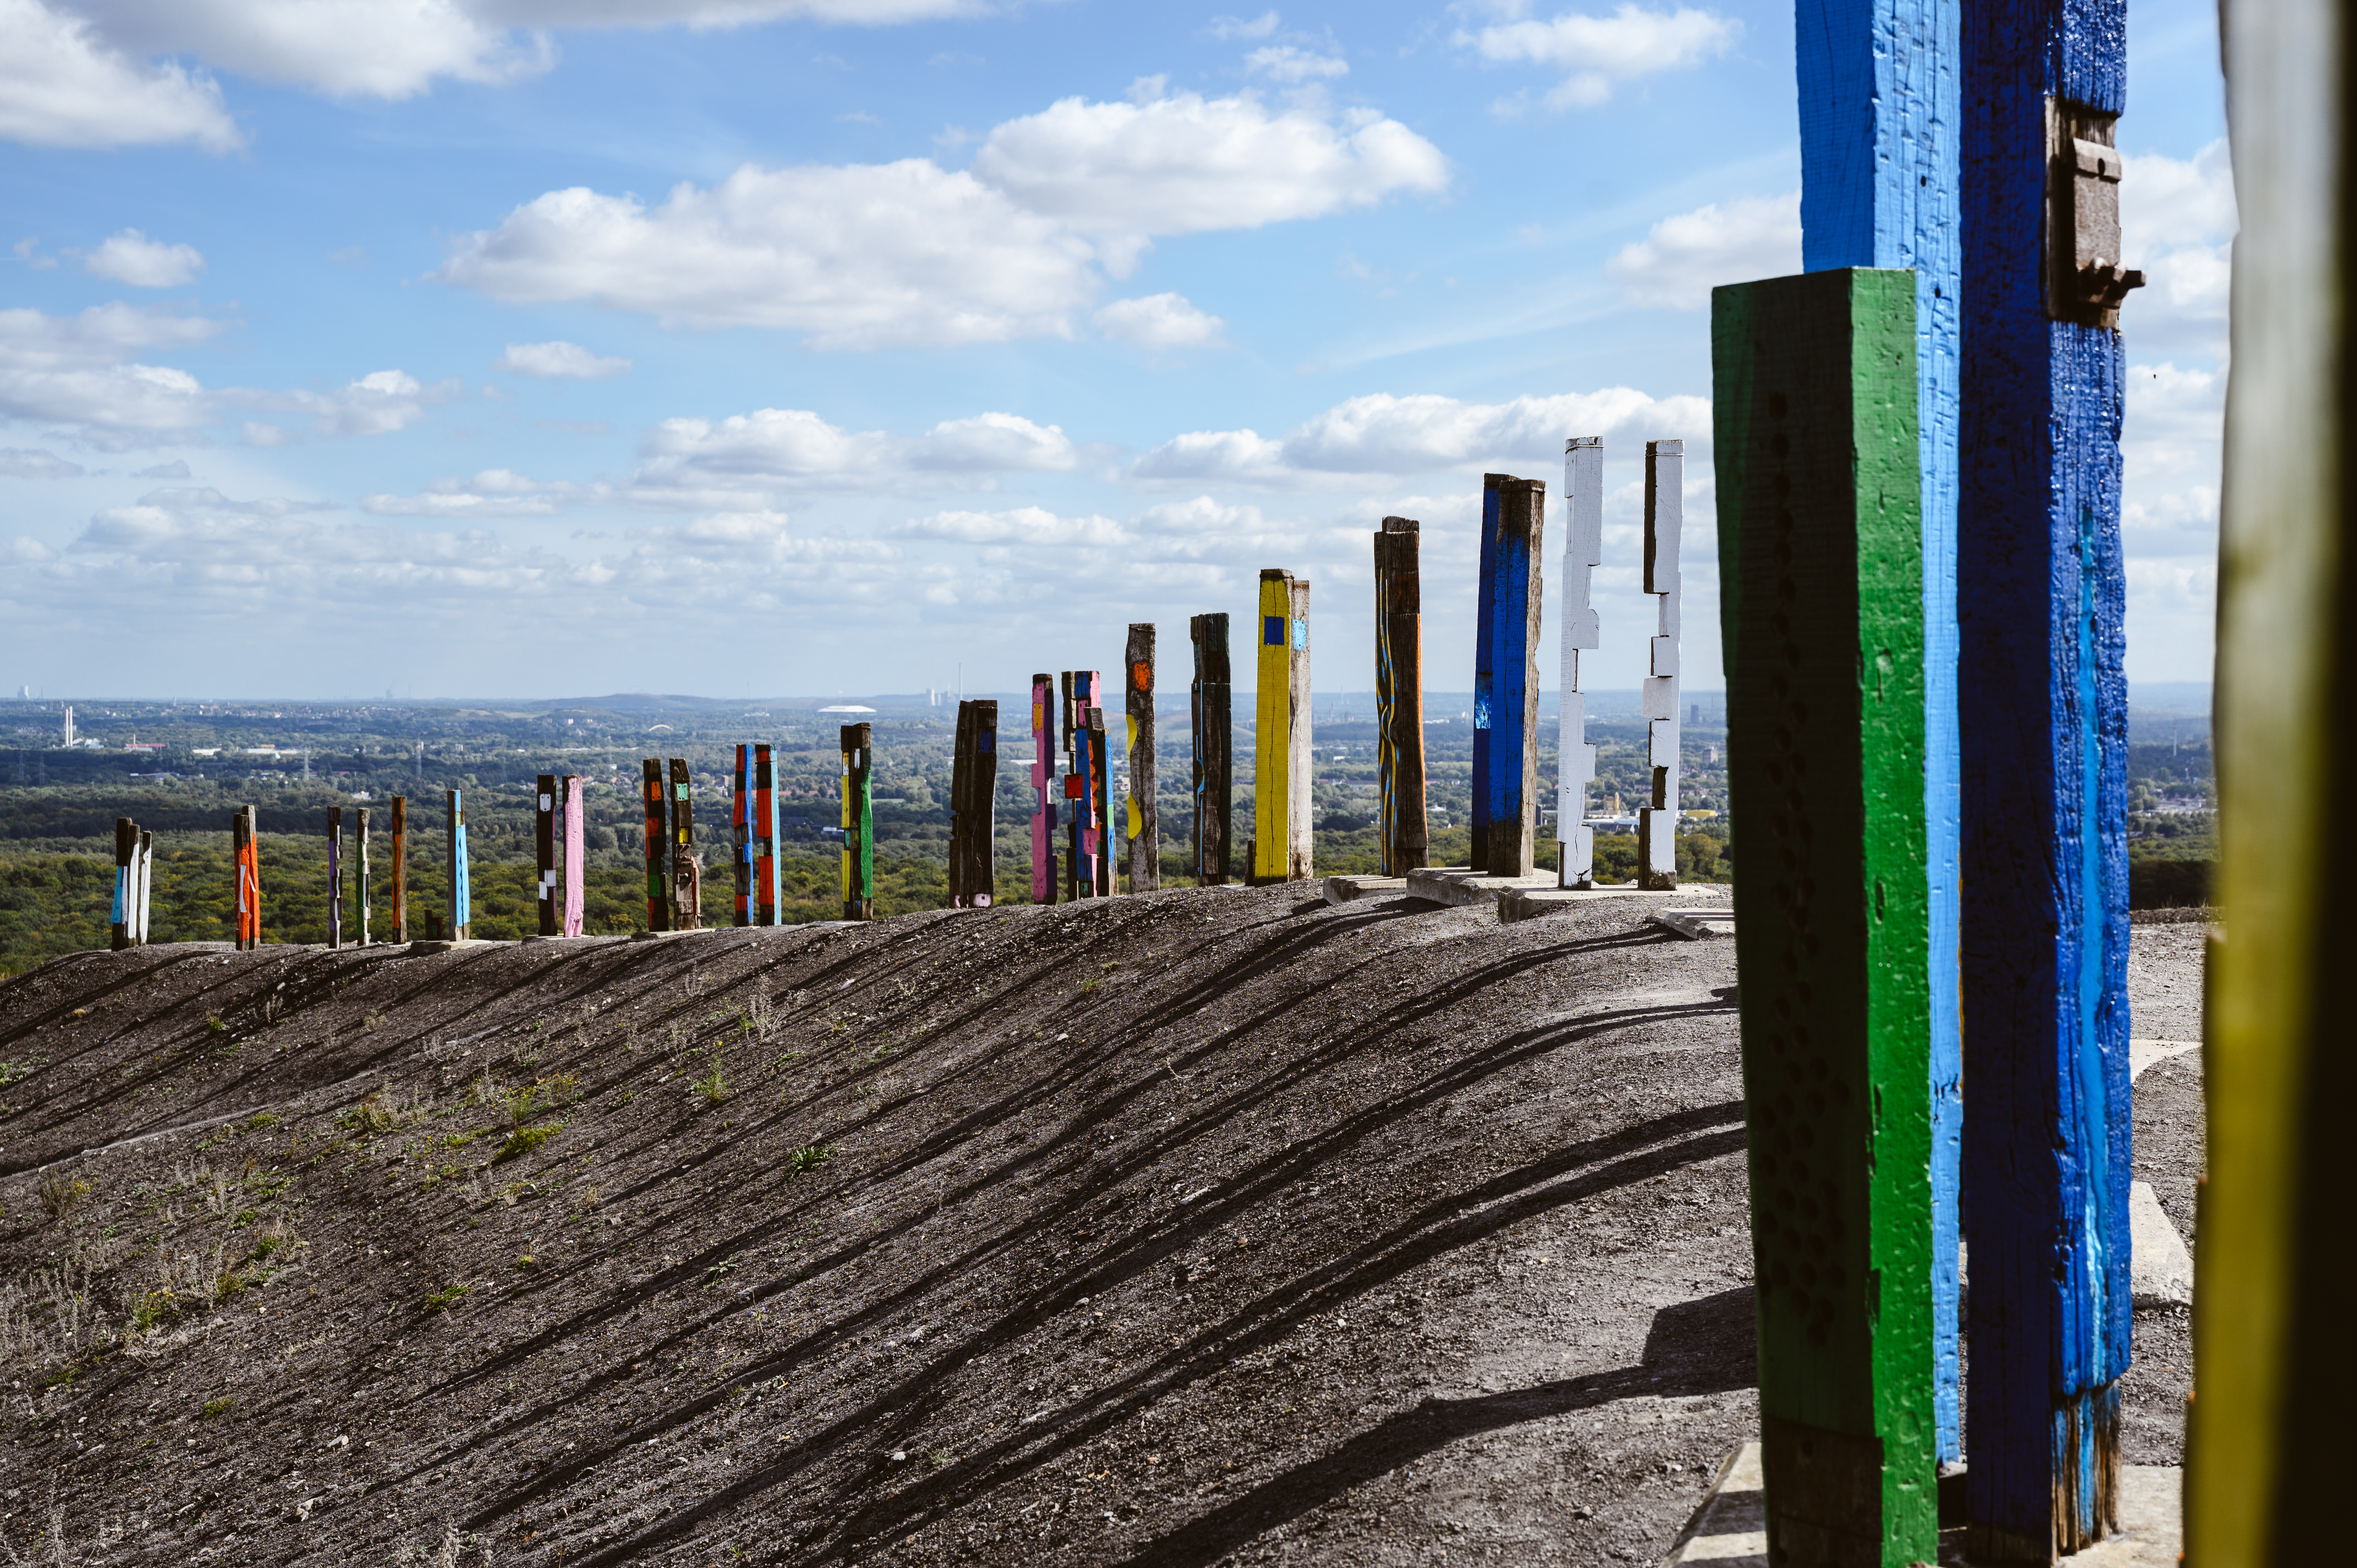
(1273, 728)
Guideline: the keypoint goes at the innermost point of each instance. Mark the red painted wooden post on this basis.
(400, 912)
(243, 850)
(658, 844)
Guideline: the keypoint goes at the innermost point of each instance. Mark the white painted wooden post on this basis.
(1657, 825)
(1583, 551)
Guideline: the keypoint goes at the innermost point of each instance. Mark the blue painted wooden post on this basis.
(1516, 510)
(462, 900)
(2042, 590)
(1879, 171)
(1485, 638)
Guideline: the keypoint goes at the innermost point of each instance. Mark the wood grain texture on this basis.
(2270, 1444)
(1882, 164)
(1814, 392)
(246, 853)
(740, 836)
(1515, 512)
(2041, 593)
(653, 799)
(1485, 673)
(1211, 712)
(974, 791)
(1043, 789)
(1142, 829)
(1583, 551)
(858, 822)
(1403, 833)
(1657, 823)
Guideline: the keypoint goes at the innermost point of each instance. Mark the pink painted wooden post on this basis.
(575, 855)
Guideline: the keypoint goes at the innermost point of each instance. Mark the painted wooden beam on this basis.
(1141, 824)
(740, 826)
(686, 865)
(126, 846)
(1485, 643)
(1657, 823)
(1300, 771)
(147, 883)
(462, 900)
(1815, 390)
(360, 889)
(1084, 857)
(246, 853)
(1583, 551)
(1403, 837)
(546, 846)
(573, 812)
(1212, 715)
(1280, 732)
(1882, 168)
(335, 876)
(1515, 512)
(973, 790)
(399, 880)
(1043, 789)
(2269, 1443)
(1099, 801)
(858, 822)
(2042, 588)
(654, 799)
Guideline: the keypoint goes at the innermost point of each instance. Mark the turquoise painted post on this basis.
(2042, 586)
(1880, 167)
(462, 902)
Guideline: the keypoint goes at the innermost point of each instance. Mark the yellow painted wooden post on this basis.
(1271, 727)
(2269, 1442)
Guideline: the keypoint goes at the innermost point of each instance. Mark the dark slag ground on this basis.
(1201, 1226)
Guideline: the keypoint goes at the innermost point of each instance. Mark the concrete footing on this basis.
(1344, 889)
(1730, 1528)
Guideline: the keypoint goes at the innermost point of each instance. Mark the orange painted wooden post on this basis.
(399, 911)
(654, 797)
(247, 855)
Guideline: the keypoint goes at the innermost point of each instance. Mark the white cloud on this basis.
(1160, 321)
(20, 463)
(1027, 525)
(701, 462)
(377, 405)
(2176, 224)
(494, 492)
(864, 256)
(1682, 258)
(373, 48)
(1227, 27)
(133, 258)
(177, 468)
(63, 84)
(1284, 62)
(559, 358)
(1382, 434)
(1599, 51)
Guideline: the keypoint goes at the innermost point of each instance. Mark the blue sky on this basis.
(745, 346)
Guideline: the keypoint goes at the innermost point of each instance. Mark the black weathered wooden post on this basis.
(653, 798)
(544, 851)
(1404, 839)
(974, 787)
(1214, 749)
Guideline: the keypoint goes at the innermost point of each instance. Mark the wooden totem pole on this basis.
(653, 798)
(1401, 828)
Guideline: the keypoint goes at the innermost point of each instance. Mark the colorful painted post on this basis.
(1881, 115)
(1514, 517)
(335, 876)
(1281, 851)
(361, 869)
(858, 822)
(973, 790)
(1485, 634)
(126, 848)
(246, 853)
(147, 884)
(398, 914)
(1657, 824)
(740, 824)
(1583, 551)
(575, 816)
(545, 844)
(1212, 714)
(653, 798)
(1142, 834)
(1043, 789)
(686, 866)
(1819, 541)
(2042, 587)
(1100, 861)
(1084, 826)
(462, 901)
(766, 869)
(2269, 1444)
(1403, 837)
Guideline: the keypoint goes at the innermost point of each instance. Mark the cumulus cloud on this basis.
(1601, 51)
(1383, 434)
(1027, 525)
(1228, 27)
(377, 405)
(864, 256)
(494, 492)
(1286, 63)
(2177, 223)
(131, 257)
(702, 463)
(559, 358)
(1682, 258)
(1161, 321)
(19, 463)
(78, 371)
(63, 83)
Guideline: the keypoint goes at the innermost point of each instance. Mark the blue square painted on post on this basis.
(1272, 634)
(1300, 631)
(989, 741)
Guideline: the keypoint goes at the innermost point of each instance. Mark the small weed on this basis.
(152, 1307)
(227, 1285)
(808, 1157)
(372, 1023)
(262, 1118)
(371, 1116)
(243, 1218)
(11, 1072)
(461, 1140)
(587, 1198)
(524, 1140)
(1090, 984)
(527, 1262)
(213, 1024)
(528, 1060)
(278, 1236)
(444, 1299)
(783, 1060)
(61, 1195)
(214, 1407)
(714, 1089)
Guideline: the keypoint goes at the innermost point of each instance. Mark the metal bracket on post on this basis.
(2085, 282)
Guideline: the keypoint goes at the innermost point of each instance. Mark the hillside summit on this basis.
(1204, 1226)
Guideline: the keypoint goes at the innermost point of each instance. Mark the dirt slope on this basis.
(1198, 1226)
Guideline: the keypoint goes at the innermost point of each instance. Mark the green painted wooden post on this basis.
(1820, 555)
(858, 822)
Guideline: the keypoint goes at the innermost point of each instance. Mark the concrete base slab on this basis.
(1462, 884)
(1696, 924)
(2143, 1054)
(2160, 1271)
(448, 946)
(1343, 889)
(1730, 1528)
(658, 936)
(1530, 903)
